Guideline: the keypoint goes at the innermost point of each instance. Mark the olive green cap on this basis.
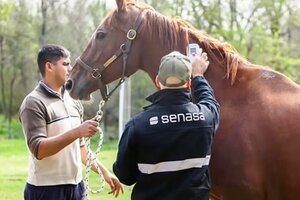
(177, 65)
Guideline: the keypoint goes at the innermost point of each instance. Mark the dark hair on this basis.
(50, 53)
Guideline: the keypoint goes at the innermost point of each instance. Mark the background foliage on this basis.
(266, 32)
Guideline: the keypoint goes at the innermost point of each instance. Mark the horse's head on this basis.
(134, 36)
(111, 49)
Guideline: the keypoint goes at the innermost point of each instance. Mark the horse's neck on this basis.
(228, 92)
(246, 80)
(215, 76)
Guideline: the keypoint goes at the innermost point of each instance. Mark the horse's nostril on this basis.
(69, 85)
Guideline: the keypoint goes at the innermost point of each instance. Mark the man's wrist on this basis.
(195, 75)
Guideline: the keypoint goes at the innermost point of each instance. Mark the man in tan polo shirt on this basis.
(52, 126)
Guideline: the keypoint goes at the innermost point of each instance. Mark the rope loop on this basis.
(92, 159)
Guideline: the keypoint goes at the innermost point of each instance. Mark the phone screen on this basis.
(193, 51)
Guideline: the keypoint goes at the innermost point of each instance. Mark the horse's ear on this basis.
(121, 4)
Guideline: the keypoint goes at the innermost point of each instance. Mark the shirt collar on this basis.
(51, 91)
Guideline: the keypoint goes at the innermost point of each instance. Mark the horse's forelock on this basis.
(112, 19)
(108, 20)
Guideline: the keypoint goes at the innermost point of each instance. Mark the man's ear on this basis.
(48, 67)
(157, 82)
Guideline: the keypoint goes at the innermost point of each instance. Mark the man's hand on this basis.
(88, 128)
(115, 186)
(114, 183)
(199, 64)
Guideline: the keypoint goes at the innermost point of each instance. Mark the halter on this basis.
(96, 72)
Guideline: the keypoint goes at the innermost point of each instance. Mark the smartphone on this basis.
(192, 50)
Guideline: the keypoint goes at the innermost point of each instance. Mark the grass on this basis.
(13, 170)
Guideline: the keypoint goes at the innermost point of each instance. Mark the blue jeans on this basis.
(55, 192)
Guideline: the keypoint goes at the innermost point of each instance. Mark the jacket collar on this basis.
(170, 97)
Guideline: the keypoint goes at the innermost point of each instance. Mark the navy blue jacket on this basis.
(165, 150)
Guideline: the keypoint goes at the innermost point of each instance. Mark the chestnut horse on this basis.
(255, 151)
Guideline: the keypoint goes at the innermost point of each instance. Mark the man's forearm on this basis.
(99, 164)
(52, 145)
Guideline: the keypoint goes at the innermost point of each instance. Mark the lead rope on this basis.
(90, 160)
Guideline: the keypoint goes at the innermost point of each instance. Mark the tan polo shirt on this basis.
(43, 114)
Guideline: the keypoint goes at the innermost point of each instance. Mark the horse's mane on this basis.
(173, 28)
(222, 52)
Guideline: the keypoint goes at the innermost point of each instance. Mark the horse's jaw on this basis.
(77, 92)
(80, 96)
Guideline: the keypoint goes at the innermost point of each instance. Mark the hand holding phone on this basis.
(192, 50)
(198, 58)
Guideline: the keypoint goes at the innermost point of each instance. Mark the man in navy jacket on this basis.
(165, 150)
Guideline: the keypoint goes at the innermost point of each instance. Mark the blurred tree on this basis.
(144, 88)
(261, 30)
(5, 12)
(16, 44)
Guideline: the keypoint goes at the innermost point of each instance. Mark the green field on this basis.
(13, 170)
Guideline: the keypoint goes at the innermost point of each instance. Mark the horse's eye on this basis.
(100, 34)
